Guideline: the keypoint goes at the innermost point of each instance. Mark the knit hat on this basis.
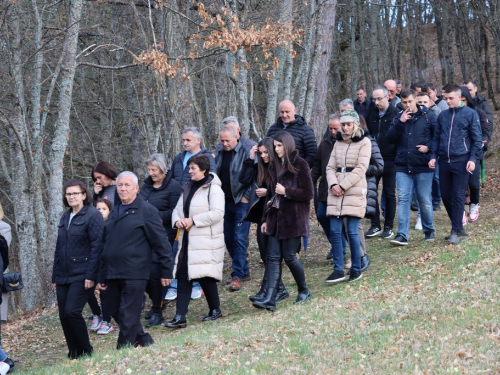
(350, 115)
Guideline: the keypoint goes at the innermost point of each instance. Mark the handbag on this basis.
(12, 281)
(273, 204)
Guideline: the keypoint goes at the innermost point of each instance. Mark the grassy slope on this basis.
(420, 309)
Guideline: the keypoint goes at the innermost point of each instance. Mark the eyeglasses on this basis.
(69, 195)
(378, 99)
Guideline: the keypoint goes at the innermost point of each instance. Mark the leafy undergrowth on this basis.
(422, 309)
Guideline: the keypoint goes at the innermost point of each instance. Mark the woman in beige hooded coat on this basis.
(346, 175)
(199, 217)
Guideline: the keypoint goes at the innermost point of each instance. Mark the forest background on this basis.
(117, 80)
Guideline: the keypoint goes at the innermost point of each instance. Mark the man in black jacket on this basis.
(360, 104)
(457, 141)
(479, 100)
(302, 133)
(380, 118)
(133, 231)
(412, 131)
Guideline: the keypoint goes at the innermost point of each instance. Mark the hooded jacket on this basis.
(349, 153)
(130, 240)
(486, 124)
(418, 130)
(292, 218)
(164, 199)
(303, 135)
(78, 247)
(457, 136)
(181, 174)
(206, 244)
(376, 168)
(482, 103)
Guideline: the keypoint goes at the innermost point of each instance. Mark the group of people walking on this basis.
(174, 229)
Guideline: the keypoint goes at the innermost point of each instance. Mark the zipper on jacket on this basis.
(466, 149)
(449, 136)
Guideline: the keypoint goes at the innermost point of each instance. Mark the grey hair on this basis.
(334, 116)
(230, 119)
(380, 87)
(229, 130)
(346, 102)
(159, 161)
(128, 173)
(195, 130)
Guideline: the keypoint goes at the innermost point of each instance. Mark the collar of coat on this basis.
(187, 186)
(149, 181)
(353, 139)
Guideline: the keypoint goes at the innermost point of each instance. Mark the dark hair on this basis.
(361, 88)
(289, 146)
(106, 202)
(424, 87)
(201, 161)
(263, 168)
(414, 85)
(81, 185)
(422, 93)
(103, 167)
(430, 86)
(407, 92)
(398, 81)
(362, 122)
(451, 87)
(467, 81)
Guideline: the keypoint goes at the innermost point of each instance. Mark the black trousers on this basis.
(262, 241)
(154, 289)
(184, 286)
(124, 302)
(389, 190)
(475, 183)
(94, 305)
(286, 249)
(71, 299)
(453, 179)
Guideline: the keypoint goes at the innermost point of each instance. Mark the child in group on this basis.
(105, 207)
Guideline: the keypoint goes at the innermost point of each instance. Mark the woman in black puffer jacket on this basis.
(76, 261)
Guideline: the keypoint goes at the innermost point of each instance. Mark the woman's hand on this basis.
(102, 286)
(263, 228)
(280, 189)
(253, 151)
(188, 223)
(97, 187)
(337, 191)
(179, 224)
(261, 192)
(89, 284)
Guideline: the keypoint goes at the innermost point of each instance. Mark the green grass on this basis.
(421, 309)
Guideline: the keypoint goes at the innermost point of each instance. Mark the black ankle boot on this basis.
(179, 321)
(261, 294)
(273, 271)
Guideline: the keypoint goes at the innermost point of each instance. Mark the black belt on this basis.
(344, 169)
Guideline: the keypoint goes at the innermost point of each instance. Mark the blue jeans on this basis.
(436, 190)
(336, 225)
(3, 356)
(422, 182)
(235, 236)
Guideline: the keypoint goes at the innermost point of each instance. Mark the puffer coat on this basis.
(206, 244)
(376, 168)
(353, 155)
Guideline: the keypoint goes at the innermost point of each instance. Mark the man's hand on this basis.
(166, 282)
(432, 164)
(102, 286)
(89, 284)
(470, 166)
(406, 115)
(423, 149)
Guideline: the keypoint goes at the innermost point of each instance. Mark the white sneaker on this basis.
(464, 219)
(4, 368)
(171, 294)
(418, 225)
(473, 212)
(196, 292)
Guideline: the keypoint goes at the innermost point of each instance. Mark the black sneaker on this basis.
(355, 275)
(387, 233)
(335, 277)
(399, 240)
(454, 238)
(463, 233)
(373, 232)
(429, 237)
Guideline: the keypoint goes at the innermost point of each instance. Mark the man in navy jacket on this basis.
(457, 141)
(412, 131)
